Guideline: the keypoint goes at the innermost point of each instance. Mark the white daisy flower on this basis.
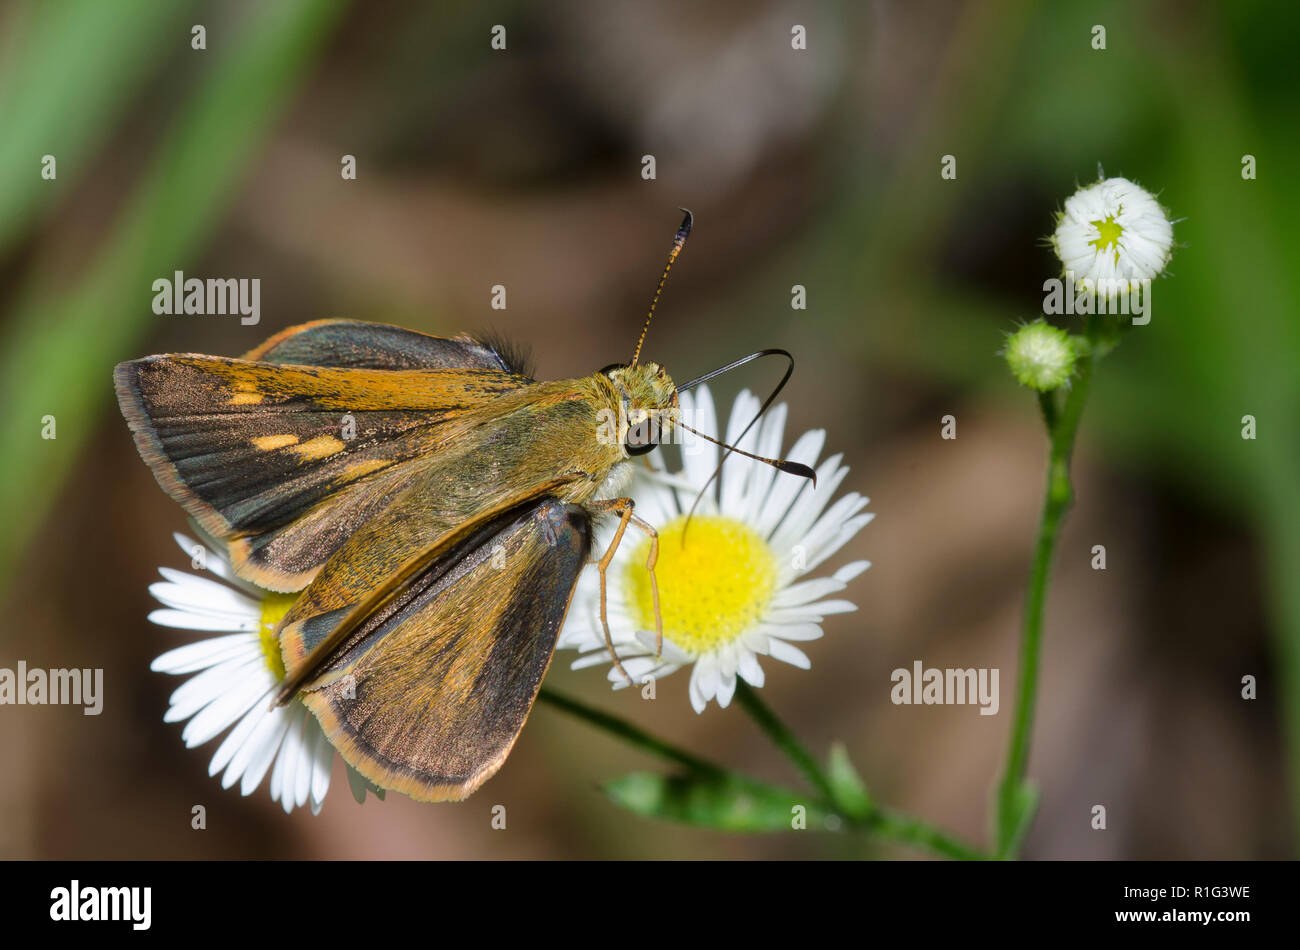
(233, 676)
(1113, 231)
(737, 585)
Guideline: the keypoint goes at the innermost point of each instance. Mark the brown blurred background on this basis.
(817, 167)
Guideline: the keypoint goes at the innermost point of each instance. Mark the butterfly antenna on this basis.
(781, 465)
(679, 241)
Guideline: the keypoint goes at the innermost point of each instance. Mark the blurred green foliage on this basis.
(60, 339)
(1173, 103)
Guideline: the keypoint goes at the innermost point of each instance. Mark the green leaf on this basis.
(718, 801)
(851, 795)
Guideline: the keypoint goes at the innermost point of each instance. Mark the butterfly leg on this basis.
(651, 560)
(623, 507)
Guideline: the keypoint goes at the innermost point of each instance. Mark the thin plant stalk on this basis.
(1014, 801)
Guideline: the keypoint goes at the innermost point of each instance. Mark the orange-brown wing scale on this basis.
(285, 462)
(429, 694)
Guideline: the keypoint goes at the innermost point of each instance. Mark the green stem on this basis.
(633, 735)
(883, 823)
(1014, 800)
(896, 826)
(784, 739)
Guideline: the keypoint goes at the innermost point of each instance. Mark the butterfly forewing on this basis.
(287, 461)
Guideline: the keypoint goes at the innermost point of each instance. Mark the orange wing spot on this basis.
(269, 442)
(245, 399)
(318, 448)
(364, 467)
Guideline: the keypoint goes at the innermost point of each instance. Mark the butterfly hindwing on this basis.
(353, 344)
(428, 695)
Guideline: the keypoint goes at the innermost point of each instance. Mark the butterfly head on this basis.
(647, 401)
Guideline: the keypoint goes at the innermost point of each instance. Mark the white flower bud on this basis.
(1113, 234)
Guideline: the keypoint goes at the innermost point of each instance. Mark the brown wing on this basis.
(428, 695)
(353, 344)
(284, 462)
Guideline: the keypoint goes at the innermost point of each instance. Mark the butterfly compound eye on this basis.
(634, 448)
(642, 437)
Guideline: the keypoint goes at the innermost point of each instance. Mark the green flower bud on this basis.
(1040, 356)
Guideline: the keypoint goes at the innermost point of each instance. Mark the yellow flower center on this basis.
(274, 607)
(711, 589)
(1108, 234)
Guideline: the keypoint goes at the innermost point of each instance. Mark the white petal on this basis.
(293, 755)
(204, 594)
(306, 760)
(726, 689)
(806, 592)
(845, 534)
(737, 470)
(834, 518)
(323, 765)
(803, 513)
(671, 652)
(851, 570)
(748, 669)
(595, 658)
(665, 669)
(283, 756)
(706, 672)
(756, 640)
(762, 476)
(287, 757)
(197, 691)
(184, 620)
(204, 653)
(787, 653)
(236, 739)
(727, 662)
(617, 680)
(698, 702)
(793, 631)
(214, 561)
(743, 409)
(787, 487)
(256, 755)
(637, 667)
(225, 710)
(655, 502)
(182, 597)
(726, 657)
(699, 456)
(807, 612)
